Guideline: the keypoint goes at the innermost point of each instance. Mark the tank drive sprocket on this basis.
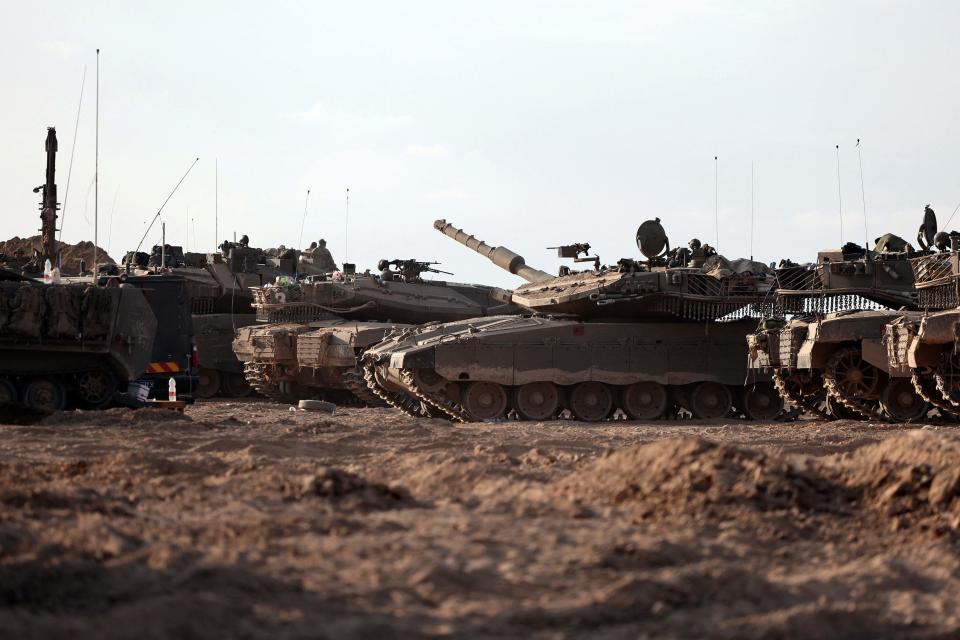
(848, 377)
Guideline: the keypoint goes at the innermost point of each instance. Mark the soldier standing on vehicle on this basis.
(322, 258)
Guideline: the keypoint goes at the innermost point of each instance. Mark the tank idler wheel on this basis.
(95, 388)
(429, 380)
(710, 400)
(901, 402)
(854, 377)
(485, 400)
(44, 394)
(8, 392)
(235, 385)
(208, 383)
(761, 401)
(645, 400)
(537, 401)
(591, 401)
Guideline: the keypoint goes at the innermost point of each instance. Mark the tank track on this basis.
(254, 373)
(447, 408)
(399, 401)
(806, 403)
(356, 384)
(929, 391)
(942, 386)
(857, 406)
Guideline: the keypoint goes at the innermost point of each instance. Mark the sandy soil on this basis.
(242, 519)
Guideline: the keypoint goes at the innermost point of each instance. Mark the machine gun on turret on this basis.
(573, 252)
(407, 270)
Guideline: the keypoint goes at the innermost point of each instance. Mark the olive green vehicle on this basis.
(832, 357)
(220, 286)
(71, 345)
(311, 333)
(643, 337)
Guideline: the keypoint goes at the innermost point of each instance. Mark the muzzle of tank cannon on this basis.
(500, 256)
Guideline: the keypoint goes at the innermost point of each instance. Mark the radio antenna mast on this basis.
(346, 230)
(839, 195)
(863, 195)
(96, 168)
(306, 203)
(157, 215)
(751, 209)
(716, 201)
(76, 127)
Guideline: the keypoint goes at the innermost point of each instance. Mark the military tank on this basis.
(219, 286)
(924, 348)
(312, 332)
(647, 337)
(65, 345)
(830, 357)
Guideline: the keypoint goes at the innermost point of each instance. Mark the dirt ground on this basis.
(243, 519)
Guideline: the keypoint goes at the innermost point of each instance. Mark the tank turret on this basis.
(500, 256)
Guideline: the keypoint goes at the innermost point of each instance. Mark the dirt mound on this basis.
(913, 478)
(115, 417)
(350, 490)
(70, 254)
(694, 476)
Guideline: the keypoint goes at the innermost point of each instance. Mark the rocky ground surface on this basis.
(243, 519)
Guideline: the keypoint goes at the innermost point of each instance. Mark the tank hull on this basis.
(515, 355)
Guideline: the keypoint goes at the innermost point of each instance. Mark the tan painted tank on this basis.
(925, 348)
(71, 345)
(307, 329)
(831, 358)
(641, 337)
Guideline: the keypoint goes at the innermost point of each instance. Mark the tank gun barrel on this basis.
(500, 256)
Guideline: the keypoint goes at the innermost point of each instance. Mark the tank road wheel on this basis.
(761, 401)
(234, 385)
(901, 402)
(710, 400)
(8, 392)
(208, 383)
(95, 388)
(537, 400)
(645, 400)
(591, 401)
(851, 374)
(485, 400)
(43, 394)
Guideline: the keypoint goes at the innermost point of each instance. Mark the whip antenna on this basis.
(306, 203)
(73, 147)
(839, 196)
(955, 209)
(716, 201)
(216, 200)
(346, 230)
(751, 210)
(863, 196)
(96, 168)
(157, 215)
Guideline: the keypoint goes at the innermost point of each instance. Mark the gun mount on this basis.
(500, 256)
(407, 270)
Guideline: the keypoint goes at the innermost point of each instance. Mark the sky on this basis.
(527, 123)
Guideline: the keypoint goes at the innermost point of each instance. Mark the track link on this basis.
(399, 401)
(255, 374)
(930, 392)
(356, 384)
(447, 408)
(807, 403)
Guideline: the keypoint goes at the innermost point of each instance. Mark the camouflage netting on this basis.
(59, 312)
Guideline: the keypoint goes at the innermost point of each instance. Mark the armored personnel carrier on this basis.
(830, 357)
(71, 345)
(312, 332)
(643, 337)
(219, 286)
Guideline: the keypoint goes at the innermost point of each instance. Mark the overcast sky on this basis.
(529, 124)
